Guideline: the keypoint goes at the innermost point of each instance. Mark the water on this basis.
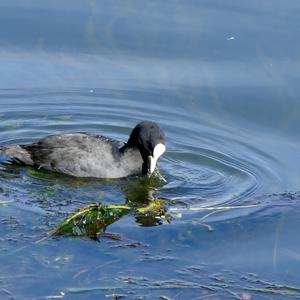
(222, 81)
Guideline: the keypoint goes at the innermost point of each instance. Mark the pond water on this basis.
(222, 80)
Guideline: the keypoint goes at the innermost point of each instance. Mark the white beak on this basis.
(159, 149)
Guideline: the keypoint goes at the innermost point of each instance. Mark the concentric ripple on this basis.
(207, 163)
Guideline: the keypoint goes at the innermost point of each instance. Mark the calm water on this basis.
(222, 79)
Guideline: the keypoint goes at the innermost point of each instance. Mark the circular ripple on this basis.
(210, 180)
(207, 163)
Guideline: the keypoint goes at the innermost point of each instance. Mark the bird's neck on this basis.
(128, 147)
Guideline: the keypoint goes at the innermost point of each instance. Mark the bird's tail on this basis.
(17, 154)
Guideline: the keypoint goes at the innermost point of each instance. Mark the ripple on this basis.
(212, 179)
(207, 163)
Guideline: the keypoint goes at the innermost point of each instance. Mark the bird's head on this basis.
(149, 138)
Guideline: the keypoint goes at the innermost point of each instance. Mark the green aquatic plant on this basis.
(153, 213)
(92, 221)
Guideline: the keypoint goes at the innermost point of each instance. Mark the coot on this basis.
(89, 155)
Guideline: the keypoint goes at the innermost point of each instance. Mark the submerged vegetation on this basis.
(92, 220)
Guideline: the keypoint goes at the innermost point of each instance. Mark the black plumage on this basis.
(89, 155)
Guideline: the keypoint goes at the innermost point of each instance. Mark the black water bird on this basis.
(89, 155)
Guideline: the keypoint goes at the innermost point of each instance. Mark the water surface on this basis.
(221, 79)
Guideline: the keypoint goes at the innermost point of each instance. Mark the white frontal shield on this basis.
(159, 149)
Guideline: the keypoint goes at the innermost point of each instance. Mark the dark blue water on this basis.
(221, 78)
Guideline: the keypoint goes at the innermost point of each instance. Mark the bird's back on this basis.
(75, 154)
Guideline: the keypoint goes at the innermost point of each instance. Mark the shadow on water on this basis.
(49, 188)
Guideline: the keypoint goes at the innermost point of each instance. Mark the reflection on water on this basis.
(222, 81)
